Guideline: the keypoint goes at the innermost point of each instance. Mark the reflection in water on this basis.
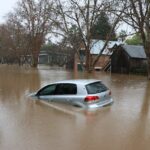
(26, 124)
(146, 100)
(15, 82)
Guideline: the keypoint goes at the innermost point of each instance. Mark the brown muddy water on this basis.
(26, 124)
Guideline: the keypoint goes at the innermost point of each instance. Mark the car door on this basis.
(65, 92)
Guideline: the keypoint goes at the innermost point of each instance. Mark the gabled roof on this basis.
(97, 46)
(135, 51)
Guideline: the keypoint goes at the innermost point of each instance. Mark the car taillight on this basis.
(91, 98)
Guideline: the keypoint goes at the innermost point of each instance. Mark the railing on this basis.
(107, 66)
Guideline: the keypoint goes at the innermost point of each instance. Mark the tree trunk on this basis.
(147, 51)
(35, 56)
(87, 60)
(148, 68)
(37, 42)
(88, 66)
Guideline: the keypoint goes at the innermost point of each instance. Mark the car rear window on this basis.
(96, 87)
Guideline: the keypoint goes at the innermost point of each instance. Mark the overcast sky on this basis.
(5, 7)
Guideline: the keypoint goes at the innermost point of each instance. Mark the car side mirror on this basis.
(37, 94)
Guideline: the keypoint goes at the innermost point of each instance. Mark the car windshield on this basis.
(96, 87)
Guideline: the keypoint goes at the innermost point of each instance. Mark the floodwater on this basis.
(26, 124)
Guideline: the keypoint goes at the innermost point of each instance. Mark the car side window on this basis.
(48, 90)
(66, 89)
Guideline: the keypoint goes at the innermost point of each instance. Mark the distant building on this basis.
(96, 48)
(57, 57)
(128, 59)
(44, 58)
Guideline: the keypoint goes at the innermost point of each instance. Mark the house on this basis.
(44, 58)
(61, 58)
(128, 59)
(96, 47)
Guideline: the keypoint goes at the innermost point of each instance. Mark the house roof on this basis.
(97, 46)
(135, 51)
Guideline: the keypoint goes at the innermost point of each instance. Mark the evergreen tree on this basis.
(102, 28)
(135, 40)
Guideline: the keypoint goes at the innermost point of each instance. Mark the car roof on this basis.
(79, 81)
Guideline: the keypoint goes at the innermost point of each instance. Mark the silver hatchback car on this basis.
(86, 93)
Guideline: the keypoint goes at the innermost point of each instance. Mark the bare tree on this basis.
(83, 14)
(35, 17)
(4, 41)
(13, 41)
(138, 16)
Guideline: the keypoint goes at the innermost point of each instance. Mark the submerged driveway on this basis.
(26, 124)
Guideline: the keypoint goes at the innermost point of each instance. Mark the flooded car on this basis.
(86, 93)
